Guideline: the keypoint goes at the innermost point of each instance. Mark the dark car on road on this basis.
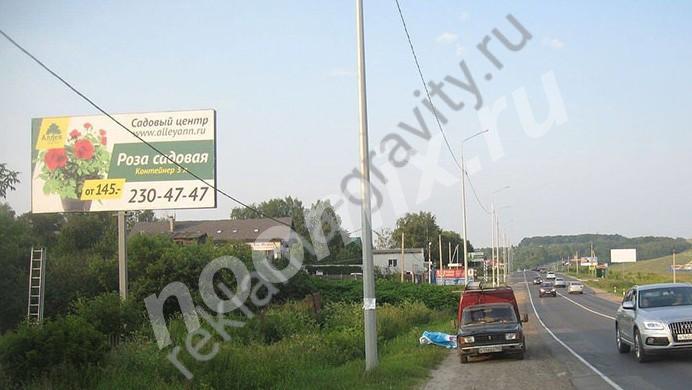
(547, 288)
(537, 281)
(488, 323)
(489, 329)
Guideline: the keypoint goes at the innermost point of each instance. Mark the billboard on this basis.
(623, 255)
(90, 163)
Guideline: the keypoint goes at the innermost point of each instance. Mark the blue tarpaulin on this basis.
(448, 341)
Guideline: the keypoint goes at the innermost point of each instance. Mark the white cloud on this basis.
(553, 43)
(341, 72)
(447, 38)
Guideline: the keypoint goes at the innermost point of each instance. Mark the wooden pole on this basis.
(673, 265)
(402, 257)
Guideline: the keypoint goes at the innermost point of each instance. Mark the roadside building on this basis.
(261, 234)
(388, 261)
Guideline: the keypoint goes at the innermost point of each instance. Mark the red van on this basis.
(489, 322)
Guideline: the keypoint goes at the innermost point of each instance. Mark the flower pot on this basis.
(76, 205)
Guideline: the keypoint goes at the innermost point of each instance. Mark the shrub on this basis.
(279, 322)
(109, 315)
(443, 298)
(32, 350)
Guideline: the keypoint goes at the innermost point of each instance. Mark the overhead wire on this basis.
(104, 112)
(432, 105)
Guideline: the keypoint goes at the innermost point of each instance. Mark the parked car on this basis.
(489, 323)
(575, 288)
(550, 275)
(537, 281)
(655, 319)
(560, 282)
(547, 288)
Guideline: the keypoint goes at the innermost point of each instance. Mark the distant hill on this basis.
(533, 251)
(660, 265)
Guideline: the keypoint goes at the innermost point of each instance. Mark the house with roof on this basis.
(261, 234)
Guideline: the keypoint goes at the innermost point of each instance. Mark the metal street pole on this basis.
(122, 256)
(369, 301)
(492, 240)
(463, 206)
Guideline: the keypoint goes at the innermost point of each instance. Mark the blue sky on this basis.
(281, 76)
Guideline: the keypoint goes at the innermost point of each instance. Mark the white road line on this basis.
(581, 359)
(587, 309)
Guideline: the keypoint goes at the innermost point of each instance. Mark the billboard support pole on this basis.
(122, 256)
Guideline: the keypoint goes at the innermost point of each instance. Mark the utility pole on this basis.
(463, 205)
(122, 256)
(439, 244)
(429, 264)
(369, 302)
(449, 255)
(492, 240)
(402, 257)
(576, 260)
(674, 280)
(506, 259)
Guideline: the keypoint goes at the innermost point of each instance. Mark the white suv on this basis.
(550, 275)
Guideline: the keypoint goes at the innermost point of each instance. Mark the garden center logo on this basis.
(52, 133)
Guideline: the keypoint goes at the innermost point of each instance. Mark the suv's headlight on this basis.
(510, 336)
(654, 325)
(468, 340)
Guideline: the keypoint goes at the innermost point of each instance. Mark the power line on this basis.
(80, 94)
(432, 105)
(425, 86)
(475, 194)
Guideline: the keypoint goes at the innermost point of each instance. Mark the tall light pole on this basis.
(493, 226)
(463, 206)
(369, 303)
(503, 248)
(492, 240)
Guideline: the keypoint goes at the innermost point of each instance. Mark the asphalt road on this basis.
(576, 351)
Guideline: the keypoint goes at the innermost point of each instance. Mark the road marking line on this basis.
(581, 359)
(587, 309)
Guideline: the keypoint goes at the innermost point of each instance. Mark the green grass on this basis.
(642, 272)
(660, 265)
(329, 356)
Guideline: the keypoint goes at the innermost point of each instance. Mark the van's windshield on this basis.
(488, 314)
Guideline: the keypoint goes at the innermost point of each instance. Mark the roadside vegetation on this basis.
(642, 272)
(90, 339)
(285, 346)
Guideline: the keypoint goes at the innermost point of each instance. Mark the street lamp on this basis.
(493, 240)
(463, 205)
(502, 249)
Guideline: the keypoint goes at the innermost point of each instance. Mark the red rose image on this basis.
(83, 149)
(74, 133)
(55, 158)
(102, 132)
(88, 125)
(103, 140)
